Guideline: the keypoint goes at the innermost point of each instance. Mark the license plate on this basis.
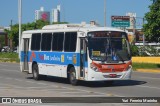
(112, 75)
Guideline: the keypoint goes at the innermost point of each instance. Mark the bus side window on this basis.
(70, 41)
(35, 42)
(57, 41)
(46, 41)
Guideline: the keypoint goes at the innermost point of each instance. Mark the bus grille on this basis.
(112, 70)
(107, 76)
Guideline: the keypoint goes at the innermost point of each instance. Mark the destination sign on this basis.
(105, 34)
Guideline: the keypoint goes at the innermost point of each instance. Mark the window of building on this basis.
(57, 41)
(36, 40)
(70, 41)
(46, 41)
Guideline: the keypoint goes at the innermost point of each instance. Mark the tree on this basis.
(40, 23)
(152, 27)
(60, 23)
(2, 40)
(13, 34)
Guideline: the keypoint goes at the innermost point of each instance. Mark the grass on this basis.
(9, 57)
(145, 66)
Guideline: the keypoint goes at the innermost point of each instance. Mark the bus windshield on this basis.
(108, 46)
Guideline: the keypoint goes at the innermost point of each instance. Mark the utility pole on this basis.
(10, 45)
(143, 33)
(20, 22)
(134, 29)
(104, 13)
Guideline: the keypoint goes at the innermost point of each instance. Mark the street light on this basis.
(20, 22)
(143, 33)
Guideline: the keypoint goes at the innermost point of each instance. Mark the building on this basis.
(135, 34)
(132, 20)
(56, 14)
(41, 14)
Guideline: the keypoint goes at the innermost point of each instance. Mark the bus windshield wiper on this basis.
(120, 57)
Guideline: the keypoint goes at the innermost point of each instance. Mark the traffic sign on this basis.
(120, 21)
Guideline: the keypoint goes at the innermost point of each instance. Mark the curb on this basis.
(154, 60)
(149, 70)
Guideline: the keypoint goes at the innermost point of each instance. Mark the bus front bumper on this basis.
(99, 76)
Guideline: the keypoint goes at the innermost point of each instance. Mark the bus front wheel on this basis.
(72, 76)
(35, 70)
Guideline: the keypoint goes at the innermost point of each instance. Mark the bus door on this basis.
(83, 57)
(26, 48)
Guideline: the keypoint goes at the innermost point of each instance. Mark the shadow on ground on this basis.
(93, 84)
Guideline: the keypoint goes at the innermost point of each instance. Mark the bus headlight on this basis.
(129, 67)
(94, 68)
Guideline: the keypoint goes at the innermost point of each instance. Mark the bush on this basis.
(152, 51)
(134, 50)
(144, 51)
(9, 57)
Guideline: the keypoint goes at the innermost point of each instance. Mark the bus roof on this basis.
(72, 27)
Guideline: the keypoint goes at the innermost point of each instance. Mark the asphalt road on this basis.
(16, 84)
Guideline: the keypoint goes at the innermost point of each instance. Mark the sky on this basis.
(73, 11)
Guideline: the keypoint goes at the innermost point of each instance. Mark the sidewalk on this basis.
(149, 70)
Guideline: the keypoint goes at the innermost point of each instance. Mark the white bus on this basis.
(76, 52)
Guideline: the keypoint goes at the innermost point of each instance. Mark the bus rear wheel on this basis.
(72, 76)
(35, 71)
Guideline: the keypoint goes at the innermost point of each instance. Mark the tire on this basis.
(35, 71)
(72, 76)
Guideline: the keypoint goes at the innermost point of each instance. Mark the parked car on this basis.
(15, 50)
(5, 49)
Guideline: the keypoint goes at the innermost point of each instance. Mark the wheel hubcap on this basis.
(72, 76)
(35, 74)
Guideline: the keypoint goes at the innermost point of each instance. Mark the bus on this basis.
(76, 52)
